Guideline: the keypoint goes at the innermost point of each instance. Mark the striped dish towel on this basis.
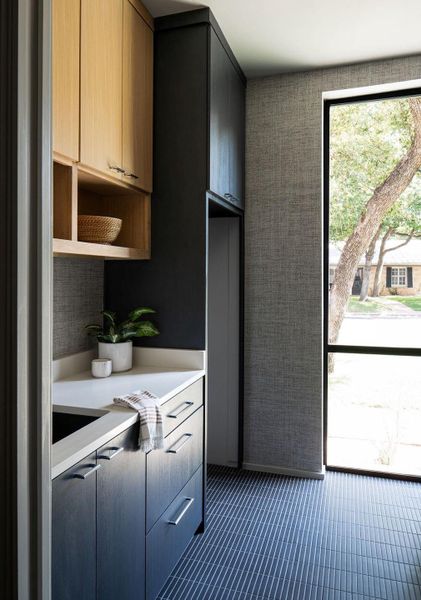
(151, 431)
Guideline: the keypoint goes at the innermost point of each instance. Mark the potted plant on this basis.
(115, 339)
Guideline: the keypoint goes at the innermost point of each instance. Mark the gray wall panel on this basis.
(223, 340)
(283, 279)
(78, 300)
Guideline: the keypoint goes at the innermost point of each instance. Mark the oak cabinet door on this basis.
(65, 66)
(137, 99)
(101, 80)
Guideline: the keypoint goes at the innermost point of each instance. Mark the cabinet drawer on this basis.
(179, 408)
(169, 469)
(170, 536)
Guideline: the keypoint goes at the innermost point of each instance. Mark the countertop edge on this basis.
(105, 429)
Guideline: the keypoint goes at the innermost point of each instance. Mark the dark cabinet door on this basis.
(227, 114)
(237, 148)
(74, 532)
(220, 125)
(121, 518)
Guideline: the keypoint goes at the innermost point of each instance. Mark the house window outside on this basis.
(331, 275)
(399, 277)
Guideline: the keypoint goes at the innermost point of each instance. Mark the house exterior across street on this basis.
(401, 273)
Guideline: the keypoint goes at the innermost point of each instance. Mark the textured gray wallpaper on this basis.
(78, 300)
(283, 318)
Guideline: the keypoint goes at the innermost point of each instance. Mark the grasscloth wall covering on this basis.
(78, 300)
(283, 311)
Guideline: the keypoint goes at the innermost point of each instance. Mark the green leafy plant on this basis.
(115, 333)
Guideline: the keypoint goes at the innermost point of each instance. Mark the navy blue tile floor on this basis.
(348, 537)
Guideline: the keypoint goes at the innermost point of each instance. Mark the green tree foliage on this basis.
(367, 140)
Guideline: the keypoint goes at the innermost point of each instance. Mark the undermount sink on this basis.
(66, 423)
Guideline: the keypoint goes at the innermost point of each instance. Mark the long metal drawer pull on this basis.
(180, 443)
(112, 455)
(231, 197)
(116, 168)
(183, 512)
(88, 473)
(132, 175)
(180, 409)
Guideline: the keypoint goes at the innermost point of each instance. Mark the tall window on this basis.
(371, 307)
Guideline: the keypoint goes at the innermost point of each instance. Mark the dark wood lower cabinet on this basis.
(74, 532)
(169, 537)
(101, 549)
(121, 519)
(170, 468)
(99, 525)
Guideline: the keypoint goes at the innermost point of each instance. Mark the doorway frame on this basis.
(25, 291)
(329, 99)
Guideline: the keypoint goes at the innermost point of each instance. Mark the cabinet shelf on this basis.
(77, 192)
(76, 248)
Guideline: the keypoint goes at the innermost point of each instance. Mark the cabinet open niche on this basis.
(81, 192)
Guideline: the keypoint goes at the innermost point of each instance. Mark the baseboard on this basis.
(284, 471)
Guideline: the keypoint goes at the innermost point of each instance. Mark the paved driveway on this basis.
(402, 330)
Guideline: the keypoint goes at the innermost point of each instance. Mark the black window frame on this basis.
(341, 348)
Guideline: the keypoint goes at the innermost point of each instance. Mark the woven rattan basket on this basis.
(98, 230)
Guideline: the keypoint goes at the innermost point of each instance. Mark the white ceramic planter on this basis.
(120, 354)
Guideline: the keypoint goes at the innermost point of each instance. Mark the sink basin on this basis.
(66, 423)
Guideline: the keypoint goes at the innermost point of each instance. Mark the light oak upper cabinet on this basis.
(66, 55)
(116, 91)
(101, 80)
(137, 98)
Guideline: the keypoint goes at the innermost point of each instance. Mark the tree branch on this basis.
(408, 239)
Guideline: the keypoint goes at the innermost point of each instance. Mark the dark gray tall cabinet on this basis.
(199, 109)
(199, 130)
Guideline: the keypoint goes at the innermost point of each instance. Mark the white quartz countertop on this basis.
(80, 393)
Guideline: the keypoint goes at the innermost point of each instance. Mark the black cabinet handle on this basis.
(113, 453)
(88, 473)
(232, 198)
(180, 409)
(117, 169)
(183, 512)
(132, 175)
(180, 443)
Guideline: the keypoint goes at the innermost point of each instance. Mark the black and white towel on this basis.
(151, 431)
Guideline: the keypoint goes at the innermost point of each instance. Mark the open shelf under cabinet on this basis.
(80, 191)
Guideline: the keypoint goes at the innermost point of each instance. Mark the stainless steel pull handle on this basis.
(88, 473)
(118, 169)
(180, 443)
(114, 451)
(180, 409)
(183, 512)
(132, 175)
(232, 197)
